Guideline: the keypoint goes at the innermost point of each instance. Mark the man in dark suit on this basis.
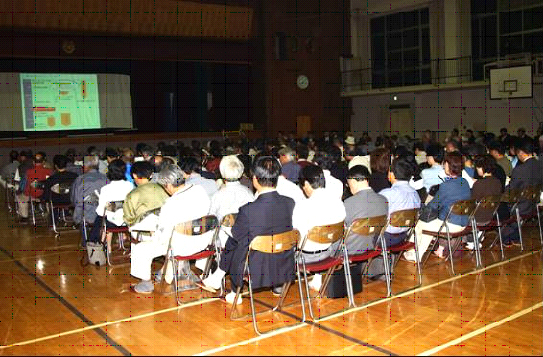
(269, 214)
(526, 173)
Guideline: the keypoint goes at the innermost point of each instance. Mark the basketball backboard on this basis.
(512, 82)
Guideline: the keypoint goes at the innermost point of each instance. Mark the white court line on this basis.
(132, 318)
(377, 302)
(481, 330)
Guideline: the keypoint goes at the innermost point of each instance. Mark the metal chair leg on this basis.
(519, 225)
(300, 291)
(539, 222)
(419, 268)
(450, 251)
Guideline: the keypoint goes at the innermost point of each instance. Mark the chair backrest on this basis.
(229, 220)
(369, 225)
(404, 219)
(326, 234)
(510, 196)
(62, 188)
(113, 206)
(464, 207)
(531, 193)
(198, 226)
(276, 243)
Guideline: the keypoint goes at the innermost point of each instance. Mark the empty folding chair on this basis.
(269, 244)
(330, 234)
(490, 204)
(372, 226)
(195, 229)
(459, 208)
(120, 231)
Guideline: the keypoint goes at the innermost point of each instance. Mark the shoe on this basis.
(277, 290)
(440, 252)
(157, 276)
(410, 256)
(144, 287)
(201, 264)
(230, 298)
(214, 281)
(316, 282)
(380, 277)
(471, 245)
(516, 243)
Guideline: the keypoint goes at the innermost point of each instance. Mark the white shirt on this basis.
(229, 199)
(333, 185)
(187, 204)
(290, 189)
(113, 192)
(320, 209)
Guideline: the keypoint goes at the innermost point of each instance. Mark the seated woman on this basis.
(453, 189)
(116, 190)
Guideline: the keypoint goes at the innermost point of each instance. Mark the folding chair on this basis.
(372, 226)
(194, 228)
(226, 222)
(460, 208)
(492, 204)
(269, 244)
(405, 219)
(60, 189)
(120, 231)
(37, 202)
(512, 198)
(331, 234)
(532, 194)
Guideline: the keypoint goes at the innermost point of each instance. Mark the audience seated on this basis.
(320, 209)
(34, 175)
(191, 167)
(61, 176)
(380, 163)
(497, 150)
(187, 202)
(270, 213)
(84, 192)
(8, 172)
(453, 189)
(146, 197)
(289, 167)
(434, 175)
(334, 185)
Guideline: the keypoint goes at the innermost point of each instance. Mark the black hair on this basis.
(503, 129)
(142, 169)
(116, 170)
(486, 162)
(147, 150)
(435, 151)
(92, 150)
(139, 148)
(303, 151)
(497, 146)
(169, 150)
(111, 152)
(324, 160)
(13, 155)
(359, 173)
(247, 162)
(60, 161)
(189, 165)
(26, 153)
(525, 145)
(418, 146)
(402, 169)
(314, 176)
(267, 169)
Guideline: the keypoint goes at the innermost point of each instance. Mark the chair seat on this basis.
(364, 256)
(487, 226)
(443, 234)
(62, 205)
(122, 229)
(323, 264)
(200, 255)
(401, 247)
(529, 215)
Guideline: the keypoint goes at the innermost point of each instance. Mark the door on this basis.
(401, 122)
(303, 125)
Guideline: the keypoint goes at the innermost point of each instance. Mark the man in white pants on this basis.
(187, 203)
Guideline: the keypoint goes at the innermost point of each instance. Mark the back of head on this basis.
(39, 158)
(303, 151)
(314, 176)
(111, 152)
(485, 162)
(231, 168)
(358, 173)
(267, 169)
(525, 145)
(60, 161)
(142, 170)
(454, 160)
(170, 174)
(380, 160)
(13, 155)
(189, 165)
(402, 169)
(496, 146)
(116, 170)
(90, 162)
(435, 151)
(288, 153)
(128, 155)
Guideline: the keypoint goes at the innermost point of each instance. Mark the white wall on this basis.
(443, 110)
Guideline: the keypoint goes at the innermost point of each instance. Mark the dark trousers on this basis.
(94, 235)
(376, 267)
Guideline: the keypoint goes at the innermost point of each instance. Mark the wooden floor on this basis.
(51, 305)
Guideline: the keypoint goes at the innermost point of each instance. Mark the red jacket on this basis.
(36, 173)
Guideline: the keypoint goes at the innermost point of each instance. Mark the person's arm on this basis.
(129, 211)
(240, 230)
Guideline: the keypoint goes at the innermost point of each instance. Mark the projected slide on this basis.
(59, 101)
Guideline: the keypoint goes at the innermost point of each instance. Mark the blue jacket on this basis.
(451, 191)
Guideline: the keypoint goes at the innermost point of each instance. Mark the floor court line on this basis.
(377, 302)
(481, 330)
(36, 256)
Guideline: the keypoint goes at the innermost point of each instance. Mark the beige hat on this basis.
(350, 140)
(360, 160)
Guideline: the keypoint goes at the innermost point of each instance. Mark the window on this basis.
(400, 46)
(502, 27)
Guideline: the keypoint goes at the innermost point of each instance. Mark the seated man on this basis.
(34, 175)
(191, 167)
(435, 174)
(61, 176)
(186, 203)
(290, 169)
(363, 203)
(321, 208)
(145, 197)
(8, 172)
(84, 195)
(270, 213)
(232, 195)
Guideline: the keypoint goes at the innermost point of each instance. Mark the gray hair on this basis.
(170, 174)
(91, 161)
(231, 168)
(288, 152)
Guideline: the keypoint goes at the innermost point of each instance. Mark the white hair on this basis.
(231, 168)
(171, 174)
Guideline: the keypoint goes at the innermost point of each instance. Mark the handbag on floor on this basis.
(96, 253)
(337, 287)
